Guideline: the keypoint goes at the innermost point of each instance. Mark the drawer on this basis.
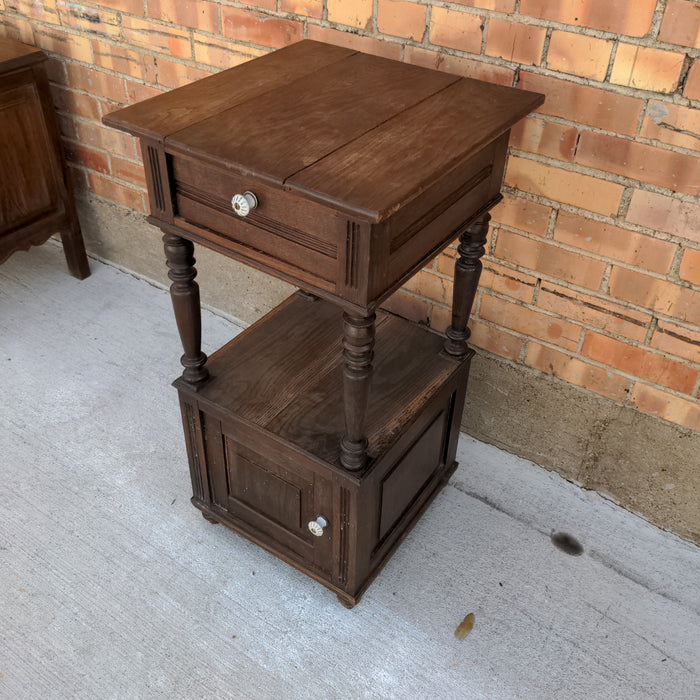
(284, 231)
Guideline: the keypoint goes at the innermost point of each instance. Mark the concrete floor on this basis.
(113, 586)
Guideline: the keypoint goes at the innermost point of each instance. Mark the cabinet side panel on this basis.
(27, 184)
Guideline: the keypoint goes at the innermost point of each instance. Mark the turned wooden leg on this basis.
(184, 292)
(467, 272)
(74, 250)
(358, 341)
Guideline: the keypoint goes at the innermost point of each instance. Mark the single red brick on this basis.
(129, 171)
(12, 27)
(222, 53)
(596, 312)
(126, 61)
(132, 7)
(308, 8)
(407, 306)
(664, 405)
(157, 37)
(121, 194)
(677, 340)
(457, 30)
(96, 82)
(671, 300)
(512, 41)
(66, 100)
(440, 317)
(265, 4)
(458, 65)
(40, 11)
(564, 186)
(522, 214)
(60, 42)
(93, 133)
(404, 19)
(507, 282)
(672, 124)
(692, 81)
(496, 5)
(647, 68)
(495, 340)
(640, 362)
(366, 44)
(638, 161)
(427, 284)
(614, 242)
(549, 259)
(138, 92)
(199, 14)
(87, 157)
(546, 138)
(656, 211)
(576, 371)
(529, 322)
(579, 54)
(260, 29)
(585, 105)
(89, 19)
(172, 74)
(353, 13)
(616, 16)
(690, 266)
(681, 23)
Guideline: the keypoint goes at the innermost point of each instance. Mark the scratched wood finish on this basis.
(36, 200)
(264, 439)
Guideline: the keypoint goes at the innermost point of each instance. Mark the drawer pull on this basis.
(316, 526)
(244, 203)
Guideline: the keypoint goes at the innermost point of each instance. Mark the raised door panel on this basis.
(275, 497)
(28, 188)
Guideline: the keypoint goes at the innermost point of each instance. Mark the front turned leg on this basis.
(358, 343)
(184, 292)
(467, 272)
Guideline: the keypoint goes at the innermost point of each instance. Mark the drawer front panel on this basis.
(284, 228)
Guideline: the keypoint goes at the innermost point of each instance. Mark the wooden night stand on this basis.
(324, 430)
(36, 199)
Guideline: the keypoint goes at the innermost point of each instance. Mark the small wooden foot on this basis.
(345, 602)
(74, 251)
(210, 519)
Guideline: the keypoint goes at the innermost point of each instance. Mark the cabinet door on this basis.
(28, 188)
(269, 491)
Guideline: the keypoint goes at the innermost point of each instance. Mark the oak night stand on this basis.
(36, 199)
(323, 431)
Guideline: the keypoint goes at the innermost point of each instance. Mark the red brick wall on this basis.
(593, 267)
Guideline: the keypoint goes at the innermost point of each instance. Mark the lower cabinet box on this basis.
(263, 440)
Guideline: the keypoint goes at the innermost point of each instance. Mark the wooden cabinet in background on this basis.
(36, 199)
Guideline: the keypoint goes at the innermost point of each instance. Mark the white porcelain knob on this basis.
(244, 203)
(316, 526)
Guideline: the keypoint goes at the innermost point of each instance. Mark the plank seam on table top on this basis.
(376, 126)
(173, 143)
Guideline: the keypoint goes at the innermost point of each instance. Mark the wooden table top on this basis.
(358, 132)
(15, 54)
